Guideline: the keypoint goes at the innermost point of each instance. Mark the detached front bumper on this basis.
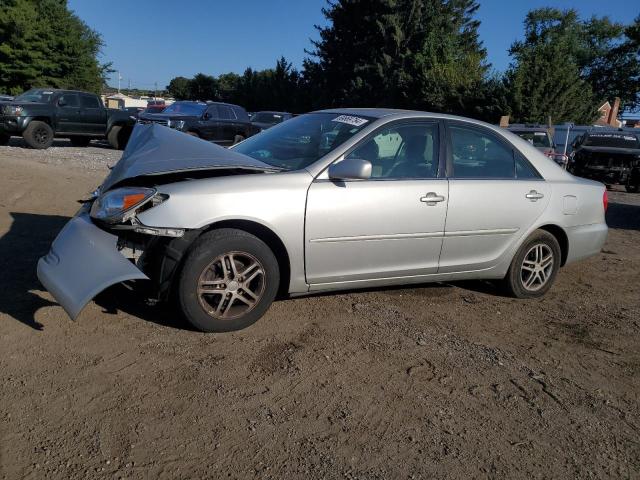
(83, 261)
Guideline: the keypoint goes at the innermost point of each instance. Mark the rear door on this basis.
(495, 196)
(69, 113)
(385, 228)
(93, 114)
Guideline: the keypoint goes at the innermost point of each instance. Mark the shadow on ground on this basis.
(60, 142)
(623, 216)
(26, 241)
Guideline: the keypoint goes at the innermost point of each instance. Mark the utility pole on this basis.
(155, 90)
(119, 78)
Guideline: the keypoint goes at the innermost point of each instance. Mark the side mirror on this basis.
(61, 102)
(206, 116)
(350, 169)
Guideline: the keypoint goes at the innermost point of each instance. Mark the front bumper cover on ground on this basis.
(82, 262)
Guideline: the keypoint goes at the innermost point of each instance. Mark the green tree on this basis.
(42, 43)
(402, 53)
(565, 67)
(179, 88)
(203, 87)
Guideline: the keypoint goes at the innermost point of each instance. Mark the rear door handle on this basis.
(534, 196)
(432, 198)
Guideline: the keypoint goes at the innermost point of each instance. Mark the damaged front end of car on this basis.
(105, 243)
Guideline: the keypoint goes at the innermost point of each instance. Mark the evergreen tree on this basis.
(399, 53)
(42, 43)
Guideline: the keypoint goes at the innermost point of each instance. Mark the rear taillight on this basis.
(605, 200)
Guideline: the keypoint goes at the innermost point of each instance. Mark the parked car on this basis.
(5, 98)
(609, 156)
(331, 200)
(39, 115)
(539, 137)
(222, 123)
(265, 120)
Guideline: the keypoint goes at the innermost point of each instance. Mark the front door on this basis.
(495, 196)
(69, 113)
(390, 226)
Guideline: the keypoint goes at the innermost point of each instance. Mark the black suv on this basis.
(41, 114)
(222, 123)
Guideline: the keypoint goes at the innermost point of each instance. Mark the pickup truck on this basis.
(41, 114)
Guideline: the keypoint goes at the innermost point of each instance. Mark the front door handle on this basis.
(432, 198)
(534, 196)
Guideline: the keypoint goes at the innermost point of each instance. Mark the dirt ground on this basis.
(439, 381)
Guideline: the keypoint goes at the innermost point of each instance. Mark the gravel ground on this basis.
(434, 381)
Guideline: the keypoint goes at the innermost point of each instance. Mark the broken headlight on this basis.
(119, 205)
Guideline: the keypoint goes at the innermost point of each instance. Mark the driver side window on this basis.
(405, 151)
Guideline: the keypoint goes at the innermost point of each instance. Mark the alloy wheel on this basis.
(537, 267)
(231, 285)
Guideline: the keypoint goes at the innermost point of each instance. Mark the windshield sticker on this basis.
(349, 120)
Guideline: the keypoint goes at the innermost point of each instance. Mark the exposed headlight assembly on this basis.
(119, 205)
(177, 124)
(12, 110)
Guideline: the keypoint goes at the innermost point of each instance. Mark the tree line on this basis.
(416, 54)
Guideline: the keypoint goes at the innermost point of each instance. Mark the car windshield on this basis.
(266, 117)
(299, 142)
(537, 139)
(188, 108)
(35, 96)
(612, 140)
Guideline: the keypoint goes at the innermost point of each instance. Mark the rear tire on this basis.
(80, 141)
(118, 137)
(534, 267)
(4, 139)
(38, 135)
(228, 281)
(632, 188)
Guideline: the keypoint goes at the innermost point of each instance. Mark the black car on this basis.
(222, 123)
(609, 156)
(264, 120)
(41, 114)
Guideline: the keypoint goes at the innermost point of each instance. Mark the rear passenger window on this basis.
(226, 113)
(69, 100)
(477, 154)
(89, 102)
(524, 170)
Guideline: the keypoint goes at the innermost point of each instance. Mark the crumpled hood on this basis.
(154, 149)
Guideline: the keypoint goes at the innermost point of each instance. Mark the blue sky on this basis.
(153, 41)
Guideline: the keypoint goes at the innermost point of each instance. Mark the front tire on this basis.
(228, 281)
(4, 139)
(38, 135)
(534, 267)
(118, 137)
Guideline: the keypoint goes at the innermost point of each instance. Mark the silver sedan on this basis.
(330, 200)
